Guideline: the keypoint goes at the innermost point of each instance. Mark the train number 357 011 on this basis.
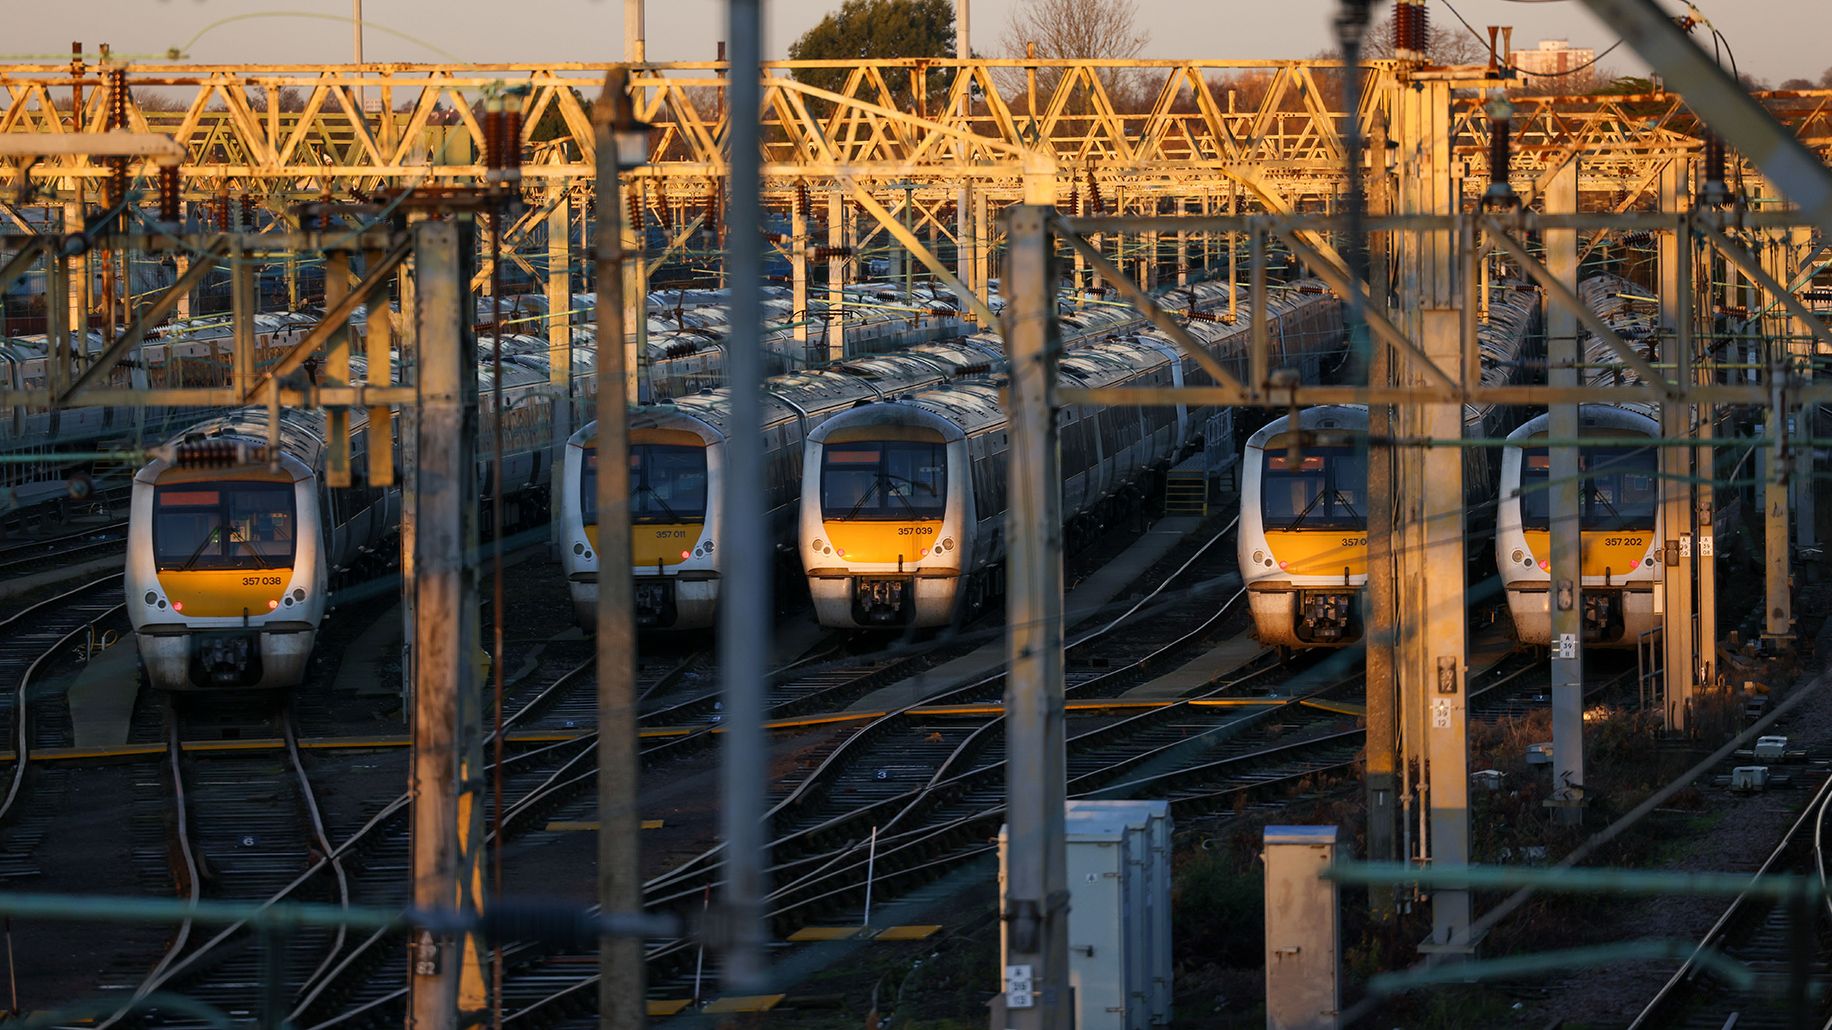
(260, 581)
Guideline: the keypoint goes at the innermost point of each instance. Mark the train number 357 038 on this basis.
(260, 581)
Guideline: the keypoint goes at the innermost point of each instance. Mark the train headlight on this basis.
(578, 548)
(709, 547)
(817, 546)
(841, 551)
(1284, 565)
(1517, 556)
(1259, 557)
(299, 595)
(1544, 565)
(684, 555)
(151, 597)
(178, 606)
(271, 605)
(947, 543)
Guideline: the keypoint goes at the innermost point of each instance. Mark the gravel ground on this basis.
(1733, 834)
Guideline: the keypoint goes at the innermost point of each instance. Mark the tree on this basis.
(880, 28)
(1445, 44)
(1825, 79)
(1080, 30)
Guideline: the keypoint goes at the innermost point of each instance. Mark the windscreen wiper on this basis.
(260, 559)
(647, 489)
(209, 538)
(876, 482)
(1307, 510)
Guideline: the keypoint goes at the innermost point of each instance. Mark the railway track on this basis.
(26, 557)
(1786, 947)
(31, 642)
(245, 824)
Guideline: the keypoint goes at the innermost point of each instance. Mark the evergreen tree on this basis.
(875, 29)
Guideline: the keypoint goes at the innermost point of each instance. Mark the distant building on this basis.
(1553, 57)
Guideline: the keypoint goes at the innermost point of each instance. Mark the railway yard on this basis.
(1339, 544)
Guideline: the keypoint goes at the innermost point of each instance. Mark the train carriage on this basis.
(903, 502)
(1302, 542)
(1620, 524)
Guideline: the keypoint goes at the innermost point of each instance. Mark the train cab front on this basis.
(673, 554)
(877, 544)
(1307, 568)
(224, 577)
(1620, 560)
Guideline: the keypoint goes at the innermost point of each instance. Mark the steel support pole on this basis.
(410, 476)
(447, 747)
(982, 244)
(1382, 616)
(965, 232)
(58, 321)
(1035, 905)
(620, 961)
(1798, 248)
(635, 307)
(1564, 597)
(81, 282)
(337, 370)
(745, 607)
(1680, 658)
(1706, 519)
(559, 339)
(181, 265)
(635, 42)
(837, 240)
(798, 276)
(1432, 590)
(378, 353)
(1183, 245)
(1778, 619)
(244, 304)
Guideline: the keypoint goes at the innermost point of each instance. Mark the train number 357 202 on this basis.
(260, 581)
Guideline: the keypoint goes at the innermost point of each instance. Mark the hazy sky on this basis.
(1774, 39)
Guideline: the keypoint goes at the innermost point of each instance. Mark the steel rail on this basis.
(193, 880)
(1688, 973)
(19, 699)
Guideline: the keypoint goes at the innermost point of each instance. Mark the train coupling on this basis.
(882, 601)
(225, 659)
(1326, 617)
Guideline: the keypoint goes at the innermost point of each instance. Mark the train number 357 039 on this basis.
(260, 581)
(915, 530)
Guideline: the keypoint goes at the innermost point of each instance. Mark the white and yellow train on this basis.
(231, 556)
(903, 502)
(1302, 545)
(677, 454)
(1619, 500)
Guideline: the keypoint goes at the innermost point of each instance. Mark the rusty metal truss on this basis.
(1129, 136)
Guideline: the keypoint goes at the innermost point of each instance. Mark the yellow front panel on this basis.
(864, 541)
(225, 593)
(1319, 552)
(656, 543)
(1616, 553)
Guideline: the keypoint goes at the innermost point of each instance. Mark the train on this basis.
(232, 551)
(903, 501)
(1620, 522)
(1302, 542)
(676, 452)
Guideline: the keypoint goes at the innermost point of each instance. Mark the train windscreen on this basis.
(667, 484)
(884, 480)
(227, 525)
(1326, 488)
(1621, 488)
